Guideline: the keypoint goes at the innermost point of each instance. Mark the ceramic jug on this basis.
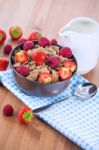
(82, 36)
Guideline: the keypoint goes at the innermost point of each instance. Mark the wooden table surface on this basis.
(46, 16)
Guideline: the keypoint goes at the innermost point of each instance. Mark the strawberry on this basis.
(34, 36)
(39, 57)
(45, 78)
(21, 57)
(15, 32)
(3, 64)
(71, 65)
(25, 115)
(2, 36)
(64, 73)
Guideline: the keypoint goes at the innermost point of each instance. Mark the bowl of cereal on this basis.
(43, 68)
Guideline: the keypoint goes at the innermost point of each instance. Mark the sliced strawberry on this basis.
(39, 57)
(2, 36)
(65, 73)
(34, 36)
(45, 78)
(21, 57)
(15, 32)
(25, 115)
(71, 65)
(3, 64)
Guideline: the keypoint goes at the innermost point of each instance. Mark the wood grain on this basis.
(47, 16)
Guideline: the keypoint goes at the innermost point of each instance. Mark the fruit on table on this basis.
(22, 40)
(21, 57)
(3, 63)
(43, 41)
(64, 73)
(8, 110)
(66, 52)
(7, 48)
(71, 65)
(15, 32)
(39, 57)
(23, 70)
(53, 61)
(28, 45)
(54, 41)
(45, 78)
(2, 36)
(34, 36)
(25, 115)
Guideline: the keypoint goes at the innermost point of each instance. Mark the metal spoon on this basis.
(83, 91)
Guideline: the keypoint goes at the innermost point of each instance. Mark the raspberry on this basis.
(8, 110)
(23, 70)
(22, 40)
(53, 61)
(54, 41)
(66, 52)
(43, 41)
(7, 48)
(28, 45)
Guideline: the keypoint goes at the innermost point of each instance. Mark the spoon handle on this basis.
(37, 110)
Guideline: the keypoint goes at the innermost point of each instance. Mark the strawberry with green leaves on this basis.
(64, 73)
(21, 57)
(25, 115)
(34, 36)
(45, 78)
(71, 65)
(2, 36)
(15, 32)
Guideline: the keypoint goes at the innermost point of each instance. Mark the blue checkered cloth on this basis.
(77, 120)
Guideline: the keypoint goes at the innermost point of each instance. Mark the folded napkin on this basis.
(76, 120)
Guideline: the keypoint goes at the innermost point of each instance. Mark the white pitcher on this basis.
(82, 36)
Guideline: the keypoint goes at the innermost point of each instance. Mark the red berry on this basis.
(23, 70)
(43, 41)
(66, 52)
(21, 57)
(25, 115)
(8, 110)
(54, 41)
(2, 36)
(45, 78)
(34, 36)
(15, 32)
(65, 73)
(3, 64)
(28, 45)
(71, 65)
(53, 61)
(22, 40)
(7, 48)
(39, 57)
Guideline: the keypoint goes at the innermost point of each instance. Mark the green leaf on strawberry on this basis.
(25, 115)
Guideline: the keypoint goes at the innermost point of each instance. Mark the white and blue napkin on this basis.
(76, 120)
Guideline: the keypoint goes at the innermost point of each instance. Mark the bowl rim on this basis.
(36, 82)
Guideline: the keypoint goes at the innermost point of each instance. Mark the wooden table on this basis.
(46, 16)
